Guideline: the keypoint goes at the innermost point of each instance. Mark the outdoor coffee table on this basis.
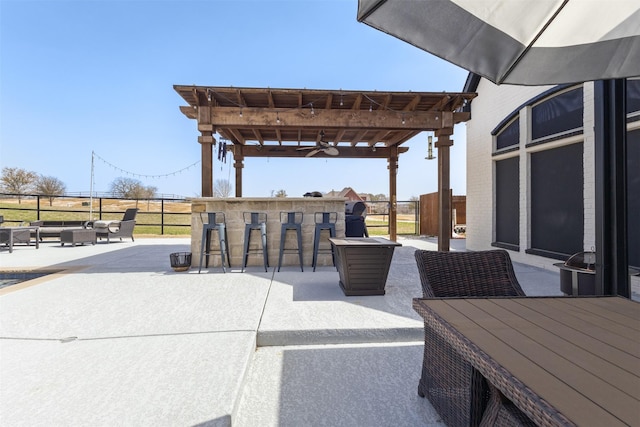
(559, 360)
(363, 263)
(11, 235)
(78, 235)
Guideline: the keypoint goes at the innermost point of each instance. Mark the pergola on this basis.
(267, 122)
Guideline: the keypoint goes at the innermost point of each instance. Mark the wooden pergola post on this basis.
(207, 141)
(443, 145)
(393, 203)
(238, 164)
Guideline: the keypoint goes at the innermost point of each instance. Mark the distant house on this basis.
(531, 170)
(347, 192)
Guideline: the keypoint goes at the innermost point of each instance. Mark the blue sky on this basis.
(83, 76)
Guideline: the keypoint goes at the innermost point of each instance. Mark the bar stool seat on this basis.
(324, 221)
(255, 221)
(214, 221)
(290, 221)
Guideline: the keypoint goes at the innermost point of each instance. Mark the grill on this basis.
(354, 214)
(578, 274)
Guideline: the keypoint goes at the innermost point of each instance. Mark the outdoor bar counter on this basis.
(234, 208)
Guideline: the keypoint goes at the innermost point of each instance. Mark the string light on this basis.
(143, 175)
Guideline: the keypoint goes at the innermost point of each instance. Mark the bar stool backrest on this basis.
(291, 217)
(326, 217)
(254, 217)
(212, 218)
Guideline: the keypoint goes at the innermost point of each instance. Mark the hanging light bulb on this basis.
(313, 113)
(277, 118)
(240, 111)
(341, 101)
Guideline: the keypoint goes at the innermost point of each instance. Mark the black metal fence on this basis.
(155, 216)
(171, 216)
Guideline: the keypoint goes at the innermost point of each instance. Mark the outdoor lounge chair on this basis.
(111, 229)
(447, 378)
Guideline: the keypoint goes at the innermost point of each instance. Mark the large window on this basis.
(633, 196)
(559, 115)
(557, 201)
(509, 136)
(507, 204)
(633, 96)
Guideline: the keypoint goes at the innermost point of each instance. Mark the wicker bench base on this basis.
(75, 236)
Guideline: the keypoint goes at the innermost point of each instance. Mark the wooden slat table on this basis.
(560, 360)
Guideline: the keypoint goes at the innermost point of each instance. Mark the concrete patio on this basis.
(119, 338)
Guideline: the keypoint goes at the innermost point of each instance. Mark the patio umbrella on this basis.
(519, 42)
(539, 43)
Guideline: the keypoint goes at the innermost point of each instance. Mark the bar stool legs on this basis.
(255, 221)
(293, 222)
(215, 222)
(324, 221)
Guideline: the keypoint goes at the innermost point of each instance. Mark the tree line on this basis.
(21, 182)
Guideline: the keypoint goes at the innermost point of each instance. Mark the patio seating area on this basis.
(120, 337)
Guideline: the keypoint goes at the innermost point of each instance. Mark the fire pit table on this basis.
(363, 263)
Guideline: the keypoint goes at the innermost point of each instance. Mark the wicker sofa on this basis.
(52, 229)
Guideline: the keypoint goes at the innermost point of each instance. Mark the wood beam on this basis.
(258, 135)
(292, 152)
(189, 111)
(358, 138)
(302, 117)
(238, 164)
(443, 144)
(393, 206)
(377, 138)
(206, 144)
(412, 105)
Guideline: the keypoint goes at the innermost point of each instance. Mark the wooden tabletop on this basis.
(363, 241)
(579, 355)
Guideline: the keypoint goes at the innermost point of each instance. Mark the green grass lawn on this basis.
(176, 218)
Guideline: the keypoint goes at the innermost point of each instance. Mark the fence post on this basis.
(161, 217)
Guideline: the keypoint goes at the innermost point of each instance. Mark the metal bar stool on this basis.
(255, 221)
(324, 221)
(293, 222)
(215, 221)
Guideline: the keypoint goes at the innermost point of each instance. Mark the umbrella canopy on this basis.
(519, 42)
(539, 43)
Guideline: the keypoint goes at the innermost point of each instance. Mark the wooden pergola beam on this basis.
(323, 119)
(292, 151)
